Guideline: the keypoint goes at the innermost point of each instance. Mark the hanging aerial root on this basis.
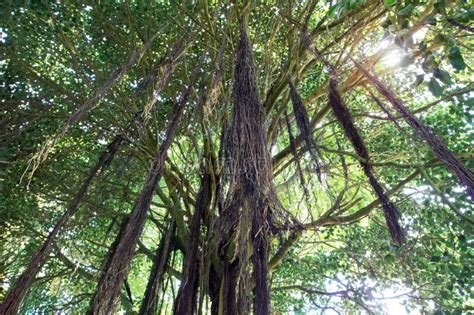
(261, 292)
(108, 289)
(296, 157)
(251, 198)
(163, 71)
(16, 293)
(386, 111)
(114, 78)
(208, 99)
(302, 121)
(158, 270)
(187, 293)
(343, 115)
(437, 146)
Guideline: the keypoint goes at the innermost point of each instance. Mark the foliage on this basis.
(57, 55)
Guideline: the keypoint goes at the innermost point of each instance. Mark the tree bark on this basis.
(214, 289)
(228, 291)
(344, 116)
(261, 303)
(437, 146)
(16, 294)
(187, 294)
(155, 280)
(246, 216)
(108, 289)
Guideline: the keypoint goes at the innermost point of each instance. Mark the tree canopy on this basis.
(284, 157)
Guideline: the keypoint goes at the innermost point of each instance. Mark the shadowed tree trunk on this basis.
(155, 280)
(126, 295)
(187, 294)
(261, 303)
(16, 294)
(108, 289)
(343, 115)
(251, 205)
(228, 291)
(214, 289)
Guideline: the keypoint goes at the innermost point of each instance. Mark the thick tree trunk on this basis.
(246, 216)
(155, 280)
(214, 290)
(261, 303)
(125, 295)
(16, 294)
(187, 295)
(108, 289)
(344, 116)
(228, 292)
(437, 146)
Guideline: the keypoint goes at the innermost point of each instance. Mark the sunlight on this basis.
(396, 55)
(393, 302)
(393, 58)
(3, 35)
(389, 302)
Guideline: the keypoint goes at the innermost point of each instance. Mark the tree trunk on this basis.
(125, 295)
(228, 291)
(214, 289)
(344, 116)
(16, 294)
(108, 289)
(155, 280)
(261, 303)
(187, 294)
(437, 146)
(246, 216)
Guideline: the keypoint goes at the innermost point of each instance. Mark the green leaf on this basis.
(419, 79)
(406, 10)
(435, 88)
(389, 3)
(444, 39)
(332, 10)
(386, 23)
(440, 7)
(388, 259)
(470, 14)
(423, 46)
(353, 4)
(430, 19)
(456, 59)
(336, 10)
(441, 39)
(429, 63)
(442, 75)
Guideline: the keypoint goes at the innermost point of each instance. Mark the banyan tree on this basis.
(247, 157)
